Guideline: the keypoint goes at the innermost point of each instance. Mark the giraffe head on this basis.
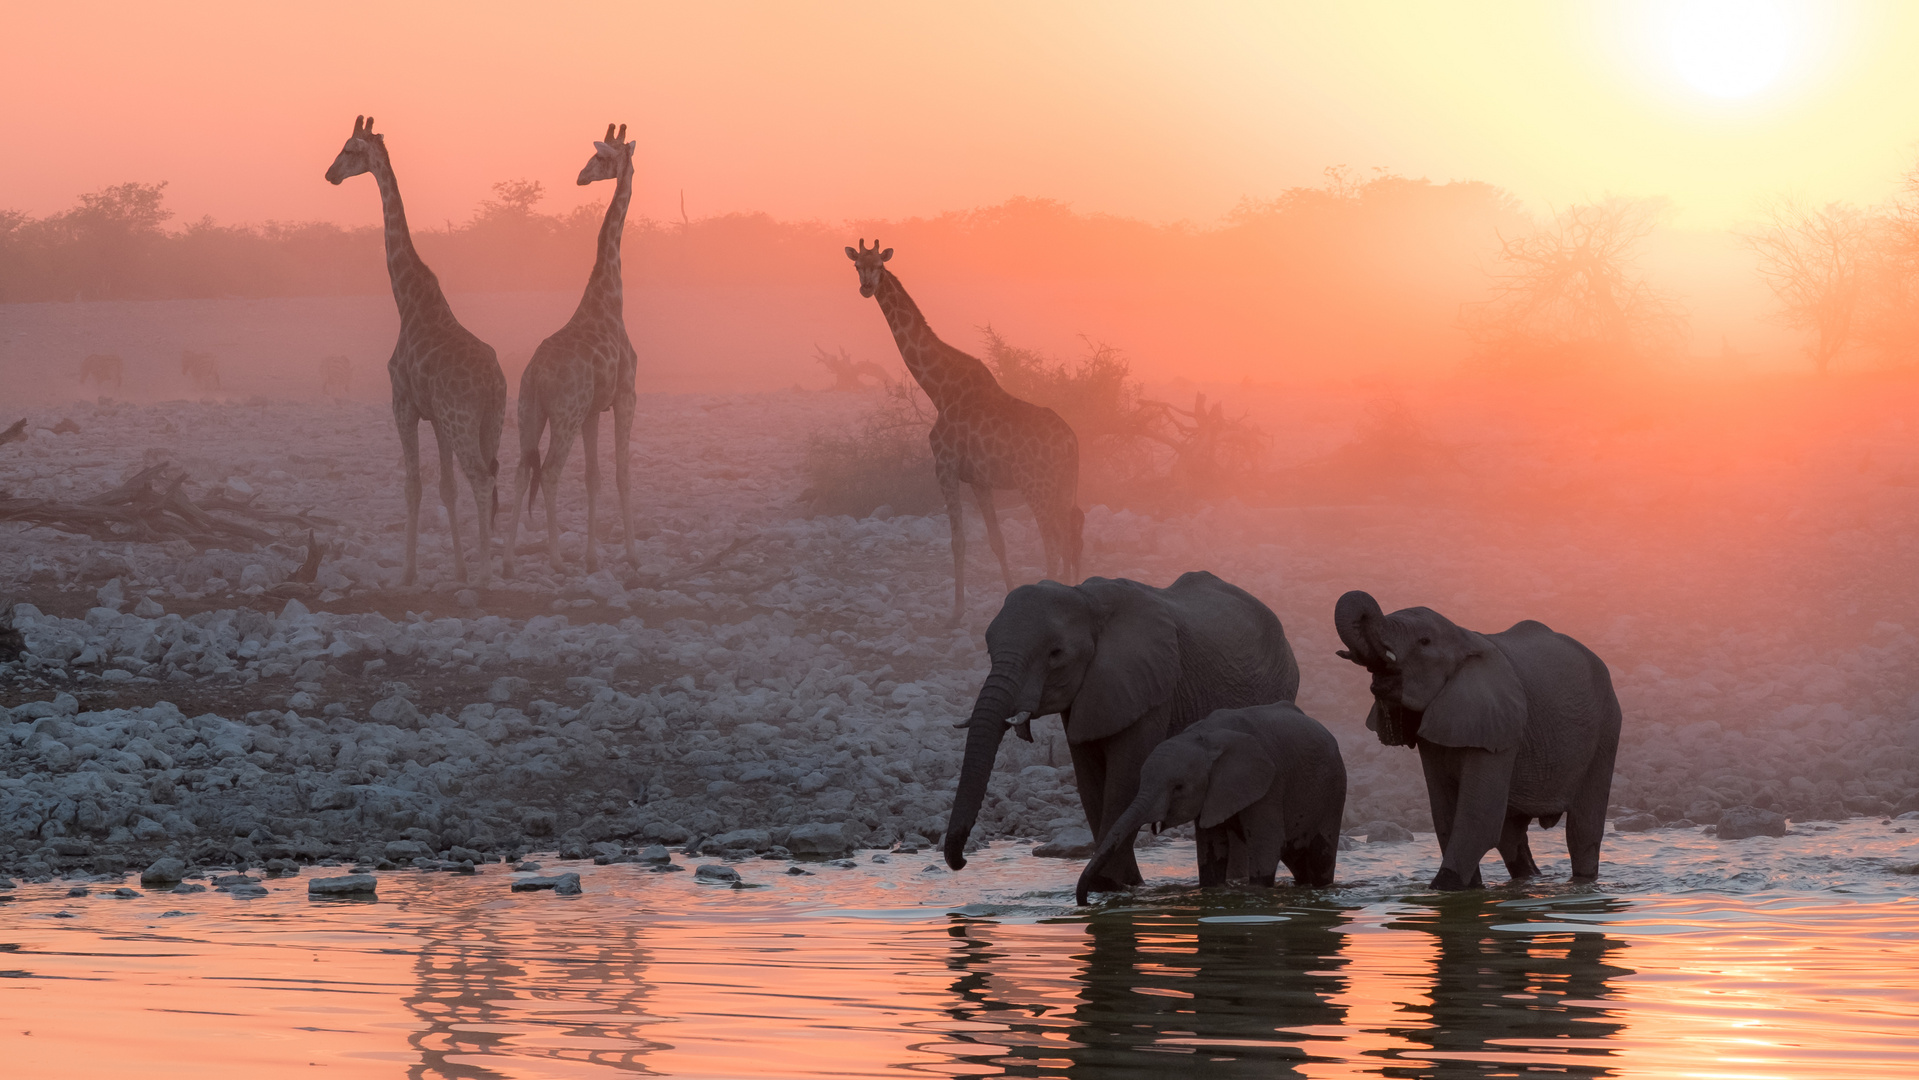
(611, 158)
(356, 156)
(868, 264)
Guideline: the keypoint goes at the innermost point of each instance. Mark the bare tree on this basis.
(848, 374)
(1889, 315)
(1569, 295)
(1816, 262)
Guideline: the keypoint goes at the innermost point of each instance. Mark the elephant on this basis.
(1266, 785)
(1510, 727)
(1125, 665)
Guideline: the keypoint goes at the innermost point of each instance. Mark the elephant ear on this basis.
(1483, 704)
(1242, 773)
(1135, 661)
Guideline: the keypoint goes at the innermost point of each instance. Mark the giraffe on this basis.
(984, 437)
(583, 369)
(441, 373)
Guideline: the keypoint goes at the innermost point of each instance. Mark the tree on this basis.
(1569, 296)
(111, 236)
(1816, 262)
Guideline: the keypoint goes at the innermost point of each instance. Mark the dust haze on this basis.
(1382, 383)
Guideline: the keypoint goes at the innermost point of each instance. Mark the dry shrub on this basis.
(886, 461)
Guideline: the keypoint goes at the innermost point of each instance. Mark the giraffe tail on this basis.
(493, 514)
(531, 461)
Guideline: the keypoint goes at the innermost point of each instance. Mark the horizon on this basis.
(803, 116)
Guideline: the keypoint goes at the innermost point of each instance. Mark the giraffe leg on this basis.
(450, 495)
(590, 446)
(558, 446)
(1046, 516)
(480, 477)
(622, 475)
(531, 421)
(956, 518)
(408, 422)
(983, 494)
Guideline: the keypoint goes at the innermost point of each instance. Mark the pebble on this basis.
(343, 885)
(715, 872)
(163, 871)
(776, 720)
(1741, 822)
(565, 884)
(188, 887)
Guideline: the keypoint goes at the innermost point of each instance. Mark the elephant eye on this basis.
(1425, 641)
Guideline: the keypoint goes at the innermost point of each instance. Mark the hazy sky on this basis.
(815, 110)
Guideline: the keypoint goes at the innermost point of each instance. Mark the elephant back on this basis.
(1233, 650)
(1572, 713)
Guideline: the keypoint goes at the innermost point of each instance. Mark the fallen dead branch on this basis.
(137, 510)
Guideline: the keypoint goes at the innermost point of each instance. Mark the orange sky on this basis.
(832, 111)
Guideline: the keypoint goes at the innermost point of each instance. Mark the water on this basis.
(1790, 957)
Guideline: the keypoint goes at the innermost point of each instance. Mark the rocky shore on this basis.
(764, 675)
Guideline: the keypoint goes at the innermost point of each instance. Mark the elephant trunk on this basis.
(985, 729)
(1147, 807)
(1357, 617)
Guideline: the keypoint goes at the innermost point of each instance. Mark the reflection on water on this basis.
(1788, 958)
(1510, 1001)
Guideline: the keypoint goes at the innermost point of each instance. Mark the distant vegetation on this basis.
(1355, 269)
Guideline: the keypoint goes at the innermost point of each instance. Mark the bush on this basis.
(1134, 451)
(885, 462)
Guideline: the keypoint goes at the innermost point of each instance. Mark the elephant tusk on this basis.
(1022, 724)
(1390, 658)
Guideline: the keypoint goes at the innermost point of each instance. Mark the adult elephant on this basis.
(1511, 727)
(1125, 665)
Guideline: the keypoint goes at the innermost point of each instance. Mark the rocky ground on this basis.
(763, 671)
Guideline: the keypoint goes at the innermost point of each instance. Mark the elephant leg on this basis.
(1115, 783)
(1479, 812)
(1586, 817)
(1515, 849)
(1313, 860)
(1089, 774)
(1215, 855)
(1442, 790)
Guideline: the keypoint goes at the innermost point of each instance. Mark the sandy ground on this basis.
(1751, 590)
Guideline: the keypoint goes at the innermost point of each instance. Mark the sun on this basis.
(1731, 48)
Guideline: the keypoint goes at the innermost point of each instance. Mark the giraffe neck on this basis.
(416, 291)
(605, 295)
(945, 373)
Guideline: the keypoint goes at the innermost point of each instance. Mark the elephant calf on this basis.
(1266, 785)
(1511, 727)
